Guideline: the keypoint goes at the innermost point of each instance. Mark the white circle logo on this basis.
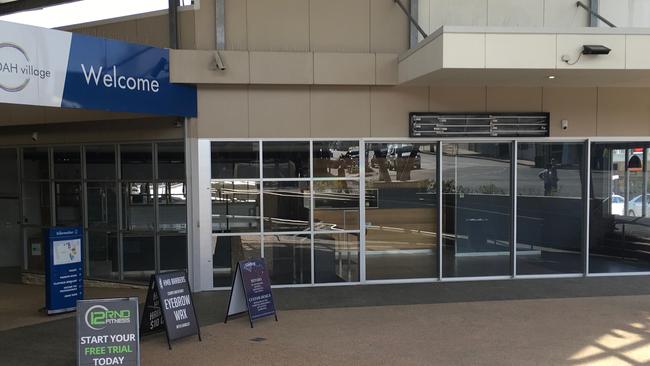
(21, 86)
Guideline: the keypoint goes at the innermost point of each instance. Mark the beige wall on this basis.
(432, 14)
(360, 26)
(376, 111)
(151, 29)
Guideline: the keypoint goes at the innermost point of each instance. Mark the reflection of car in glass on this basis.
(403, 151)
(618, 205)
(635, 207)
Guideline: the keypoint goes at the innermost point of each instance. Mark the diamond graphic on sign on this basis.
(249, 266)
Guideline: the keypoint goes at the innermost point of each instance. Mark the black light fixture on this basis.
(587, 49)
(595, 49)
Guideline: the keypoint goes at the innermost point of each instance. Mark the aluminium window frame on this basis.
(586, 193)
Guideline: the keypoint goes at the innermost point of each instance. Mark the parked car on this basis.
(402, 151)
(635, 206)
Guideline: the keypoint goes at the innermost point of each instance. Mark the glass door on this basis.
(10, 248)
(477, 205)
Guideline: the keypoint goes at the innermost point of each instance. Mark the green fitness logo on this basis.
(98, 317)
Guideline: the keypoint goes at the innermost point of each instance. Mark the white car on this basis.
(635, 206)
(618, 205)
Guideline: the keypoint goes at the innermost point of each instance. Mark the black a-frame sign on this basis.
(251, 292)
(170, 307)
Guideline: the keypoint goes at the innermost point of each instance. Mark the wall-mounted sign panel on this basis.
(46, 67)
(431, 124)
(63, 269)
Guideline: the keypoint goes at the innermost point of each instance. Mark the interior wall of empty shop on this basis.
(242, 111)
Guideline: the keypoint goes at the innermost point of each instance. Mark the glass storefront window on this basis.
(288, 258)
(619, 229)
(336, 257)
(401, 206)
(100, 162)
(235, 206)
(36, 163)
(476, 209)
(171, 161)
(235, 160)
(336, 205)
(68, 203)
(136, 221)
(172, 206)
(102, 204)
(550, 208)
(173, 252)
(286, 159)
(103, 255)
(136, 161)
(67, 162)
(286, 206)
(137, 206)
(139, 258)
(227, 251)
(336, 159)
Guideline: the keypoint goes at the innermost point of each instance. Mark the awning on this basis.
(528, 57)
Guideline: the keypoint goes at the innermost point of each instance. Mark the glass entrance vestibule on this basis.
(130, 199)
(412, 210)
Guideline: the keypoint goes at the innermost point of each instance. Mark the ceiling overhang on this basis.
(15, 6)
(472, 56)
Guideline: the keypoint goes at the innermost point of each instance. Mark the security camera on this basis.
(35, 136)
(565, 124)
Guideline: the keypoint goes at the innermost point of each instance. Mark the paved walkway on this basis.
(593, 321)
(586, 331)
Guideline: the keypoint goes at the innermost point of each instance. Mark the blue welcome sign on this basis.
(53, 68)
(251, 291)
(64, 269)
(121, 76)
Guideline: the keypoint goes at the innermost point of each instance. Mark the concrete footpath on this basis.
(594, 321)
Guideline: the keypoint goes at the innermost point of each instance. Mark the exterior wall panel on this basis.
(455, 99)
(514, 99)
(576, 105)
(623, 112)
(235, 23)
(389, 109)
(388, 39)
(223, 111)
(278, 111)
(340, 111)
(515, 13)
(344, 68)
(279, 25)
(339, 25)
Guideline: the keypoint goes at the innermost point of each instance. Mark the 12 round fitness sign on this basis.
(107, 332)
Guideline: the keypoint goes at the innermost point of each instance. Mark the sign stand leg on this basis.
(234, 277)
(196, 317)
(169, 343)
